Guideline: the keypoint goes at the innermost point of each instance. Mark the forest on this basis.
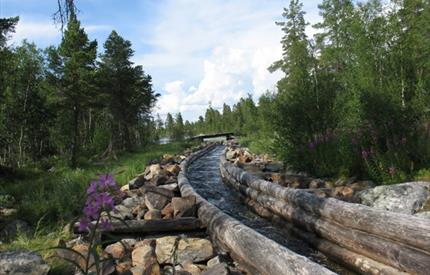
(355, 98)
(353, 102)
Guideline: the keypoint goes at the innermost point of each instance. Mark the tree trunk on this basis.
(75, 140)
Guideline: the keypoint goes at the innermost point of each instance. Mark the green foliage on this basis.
(57, 194)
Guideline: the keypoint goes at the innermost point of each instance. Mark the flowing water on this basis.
(205, 177)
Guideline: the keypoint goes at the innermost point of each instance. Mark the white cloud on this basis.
(35, 31)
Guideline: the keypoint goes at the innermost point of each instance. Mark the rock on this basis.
(116, 250)
(143, 253)
(136, 183)
(184, 206)
(316, 183)
(274, 167)
(7, 213)
(161, 178)
(405, 198)
(125, 187)
(81, 248)
(133, 202)
(171, 187)
(194, 250)
(173, 169)
(155, 201)
(153, 214)
(167, 210)
(152, 171)
(214, 261)
(165, 249)
(20, 262)
(230, 155)
(120, 249)
(121, 212)
(11, 230)
(191, 268)
(167, 158)
(123, 268)
(218, 269)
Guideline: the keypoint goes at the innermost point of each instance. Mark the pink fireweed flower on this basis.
(364, 154)
(101, 196)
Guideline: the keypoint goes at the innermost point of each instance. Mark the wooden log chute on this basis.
(388, 241)
(246, 245)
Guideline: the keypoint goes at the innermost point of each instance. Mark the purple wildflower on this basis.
(365, 154)
(311, 145)
(83, 224)
(105, 224)
(92, 188)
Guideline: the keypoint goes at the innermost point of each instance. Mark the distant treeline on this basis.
(64, 101)
(355, 99)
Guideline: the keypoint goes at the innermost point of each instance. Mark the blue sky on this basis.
(197, 51)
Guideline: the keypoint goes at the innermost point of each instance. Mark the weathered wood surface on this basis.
(403, 228)
(148, 226)
(368, 238)
(352, 260)
(257, 251)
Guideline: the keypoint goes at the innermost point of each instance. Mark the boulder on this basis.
(167, 211)
(122, 268)
(153, 214)
(171, 187)
(120, 249)
(405, 198)
(184, 206)
(218, 269)
(22, 262)
(194, 250)
(122, 212)
(125, 187)
(155, 201)
(165, 249)
(151, 171)
(143, 253)
(133, 202)
(159, 179)
(172, 169)
(191, 268)
(230, 155)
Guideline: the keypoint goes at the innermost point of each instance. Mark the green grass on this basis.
(58, 195)
(49, 200)
(256, 144)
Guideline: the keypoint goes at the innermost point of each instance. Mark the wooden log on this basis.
(351, 260)
(147, 226)
(390, 252)
(395, 254)
(263, 254)
(410, 230)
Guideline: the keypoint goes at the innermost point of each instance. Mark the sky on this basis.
(198, 52)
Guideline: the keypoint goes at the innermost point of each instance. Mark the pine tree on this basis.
(73, 67)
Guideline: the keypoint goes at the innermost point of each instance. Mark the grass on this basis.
(256, 144)
(50, 199)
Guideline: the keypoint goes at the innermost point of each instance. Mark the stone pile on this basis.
(154, 195)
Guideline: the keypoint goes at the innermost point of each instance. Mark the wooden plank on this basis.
(148, 226)
(410, 230)
(263, 254)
